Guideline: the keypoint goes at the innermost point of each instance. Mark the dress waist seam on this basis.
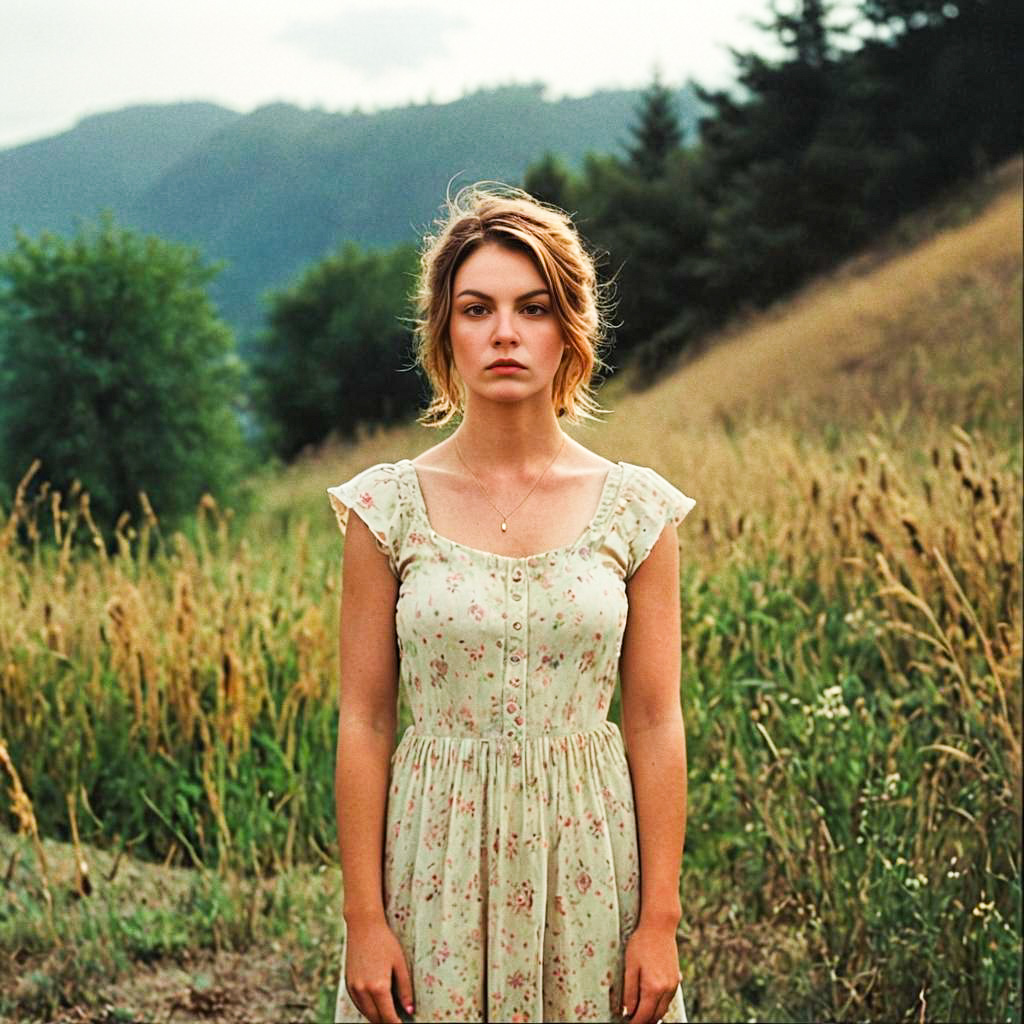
(605, 728)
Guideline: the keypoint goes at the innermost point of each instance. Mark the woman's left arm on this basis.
(652, 725)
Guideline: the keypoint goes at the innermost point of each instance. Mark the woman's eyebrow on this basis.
(489, 298)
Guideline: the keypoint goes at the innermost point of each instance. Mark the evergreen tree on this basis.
(550, 181)
(782, 193)
(938, 95)
(653, 233)
(116, 371)
(656, 132)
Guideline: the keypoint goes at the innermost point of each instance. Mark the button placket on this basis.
(516, 609)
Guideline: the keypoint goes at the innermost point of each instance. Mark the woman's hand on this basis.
(652, 973)
(373, 962)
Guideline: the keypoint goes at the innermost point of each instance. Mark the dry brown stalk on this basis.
(83, 884)
(21, 805)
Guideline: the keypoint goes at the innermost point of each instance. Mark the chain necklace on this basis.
(505, 516)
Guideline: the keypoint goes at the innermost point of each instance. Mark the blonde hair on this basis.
(490, 212)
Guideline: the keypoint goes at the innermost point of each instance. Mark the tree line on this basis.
(115, 369)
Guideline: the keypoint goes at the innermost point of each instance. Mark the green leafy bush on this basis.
(115, 371)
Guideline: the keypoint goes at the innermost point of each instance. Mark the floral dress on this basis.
(511, 867)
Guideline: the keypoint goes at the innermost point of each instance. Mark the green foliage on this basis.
(653, 231)
(828, 795)
(115, 371)
(806, 158)
(821, 148)
(550, 181)
(821, 790)
(656, 132)
(338, 352)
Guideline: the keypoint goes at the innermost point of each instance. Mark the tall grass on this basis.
(851, 658)
(178, 694)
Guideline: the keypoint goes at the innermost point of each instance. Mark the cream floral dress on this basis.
(511, 870)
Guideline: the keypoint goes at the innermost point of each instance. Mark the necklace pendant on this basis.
(504, 526)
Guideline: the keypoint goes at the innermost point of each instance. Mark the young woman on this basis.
(511, 860)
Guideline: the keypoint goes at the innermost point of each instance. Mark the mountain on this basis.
(105, 161)
(273, 190)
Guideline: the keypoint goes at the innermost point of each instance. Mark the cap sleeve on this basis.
(652, 503)
(375, 496)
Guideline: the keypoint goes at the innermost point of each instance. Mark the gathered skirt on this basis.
(511, 876)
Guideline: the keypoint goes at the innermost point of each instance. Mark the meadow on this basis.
(851, 585)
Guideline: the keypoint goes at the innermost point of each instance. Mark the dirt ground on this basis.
(257, 986)
(264, 983)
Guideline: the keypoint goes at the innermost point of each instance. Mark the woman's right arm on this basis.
(366, 733)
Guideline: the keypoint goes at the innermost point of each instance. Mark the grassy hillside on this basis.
(851, 588)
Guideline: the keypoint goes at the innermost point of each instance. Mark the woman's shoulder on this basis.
(647, 492)
(379, 472)
(647, 503)
(373, 492)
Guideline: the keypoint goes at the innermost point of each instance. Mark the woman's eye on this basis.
(535, 309)
(476, 309)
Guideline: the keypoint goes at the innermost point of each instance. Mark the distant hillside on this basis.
(273, 190)
(105, 161)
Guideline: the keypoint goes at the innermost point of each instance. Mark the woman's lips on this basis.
(506, 366)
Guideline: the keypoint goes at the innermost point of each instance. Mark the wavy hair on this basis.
(489, 212)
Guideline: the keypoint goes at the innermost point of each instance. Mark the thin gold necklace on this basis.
(505, 516)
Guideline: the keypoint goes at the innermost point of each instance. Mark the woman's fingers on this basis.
(374, 1001)
(403, 985)
(663, 1005)
(630, 988)
(652, 1002)
(363, 1001)
(647, 1007)
(385, 1004)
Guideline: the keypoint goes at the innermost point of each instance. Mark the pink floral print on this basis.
(511, 869)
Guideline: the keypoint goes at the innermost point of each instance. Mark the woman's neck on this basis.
(511, 435)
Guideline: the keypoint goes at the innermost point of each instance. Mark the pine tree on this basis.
(550, 181)
(656, 131)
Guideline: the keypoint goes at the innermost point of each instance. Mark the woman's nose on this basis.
(504, 329)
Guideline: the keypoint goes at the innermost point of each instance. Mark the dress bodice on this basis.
(505, 647)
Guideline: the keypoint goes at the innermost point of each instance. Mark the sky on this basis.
(63, 59)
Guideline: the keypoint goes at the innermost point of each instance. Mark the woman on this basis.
(509, 861)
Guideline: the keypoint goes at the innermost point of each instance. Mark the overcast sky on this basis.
(62, 59)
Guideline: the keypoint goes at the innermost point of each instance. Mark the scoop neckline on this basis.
(604, 503)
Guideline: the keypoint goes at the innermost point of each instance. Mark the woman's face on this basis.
(506, 340)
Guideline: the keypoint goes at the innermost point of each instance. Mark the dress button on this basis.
(517, 575)
(514, 659)
(517, 597)
(511, 707)
(519, 719)
(511, 734)
(514, 681)
(517, 625)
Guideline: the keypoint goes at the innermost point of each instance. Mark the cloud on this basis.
(376, 40)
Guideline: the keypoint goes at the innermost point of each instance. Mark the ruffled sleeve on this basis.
(375, 496)
(650, 503)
